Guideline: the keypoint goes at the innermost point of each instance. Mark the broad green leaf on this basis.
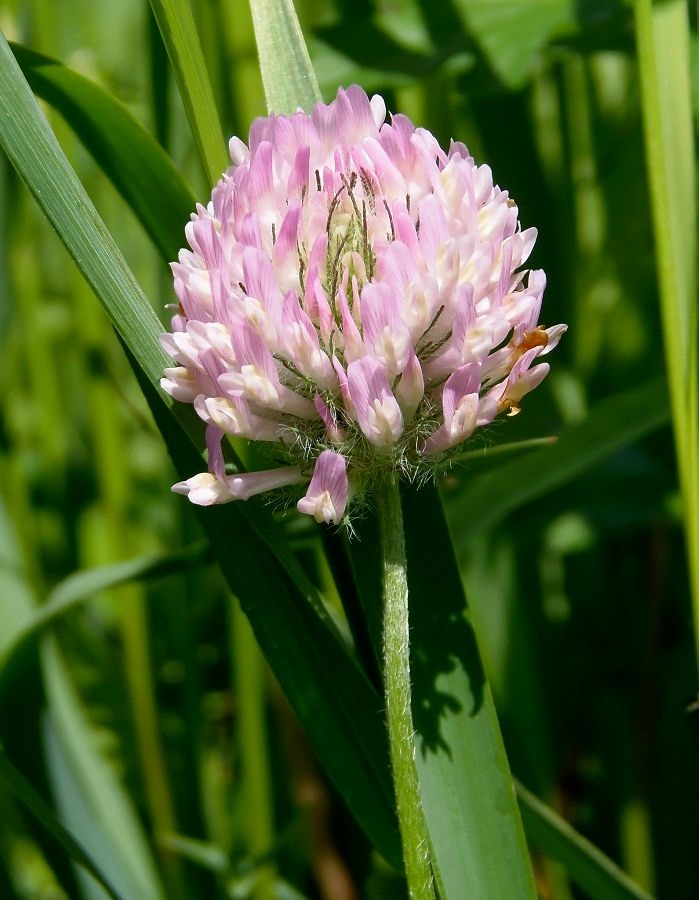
(477, 840)
(612, 424)
(595, 873)
(662, 35)
(137, 165)
(287, 73)
(179, 33)
(13, 779)
(477, 843)
(512, 35)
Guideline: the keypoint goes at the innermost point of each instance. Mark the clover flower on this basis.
(353, 297)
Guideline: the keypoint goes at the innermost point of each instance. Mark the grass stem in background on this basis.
(662, 35)
(287, 74)
(249, 681)
(179, 31)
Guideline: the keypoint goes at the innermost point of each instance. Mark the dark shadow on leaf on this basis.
(444, 653)
(443, 641)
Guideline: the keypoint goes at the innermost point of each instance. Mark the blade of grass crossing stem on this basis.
(588, 867)
(35, 803)
(476, 839)
(33, 150)
(662, 35)
(32, 147)
(478, 845)
(287, 73)
(137, 165)
(179, 33)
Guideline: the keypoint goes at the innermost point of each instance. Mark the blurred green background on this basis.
(148, 717)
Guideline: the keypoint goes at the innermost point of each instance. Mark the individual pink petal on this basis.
(351, 336)
(181, 384)
(410, 388)
(385, 335)
(326, 497)
(247, 484)
(553, 334)
(521, 380)
(335, 433)
(301, 344)
(377, 410)
(460, 404)
(215, 452)
(344, 386)
(261, 286)
(233, 416)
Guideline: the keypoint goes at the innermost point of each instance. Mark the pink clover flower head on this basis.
(352, 295)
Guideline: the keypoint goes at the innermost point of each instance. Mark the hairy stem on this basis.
(396, 647)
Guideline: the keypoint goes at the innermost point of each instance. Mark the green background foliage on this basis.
(143, 735)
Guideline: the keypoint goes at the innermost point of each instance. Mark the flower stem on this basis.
(396, 648)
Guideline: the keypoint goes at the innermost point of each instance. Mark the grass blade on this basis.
(33, 150)
(475, 830)
(137, 165)
(35, 803)
(81, 586)
(111, 834)
(662, 35)
(91, 799)
(287, 73)
(595, 873)
(179, 33)
(612, 424)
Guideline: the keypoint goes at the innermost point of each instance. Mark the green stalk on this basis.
(396, 648)
(181, 39)
(287, 74)
(662, 35)
(249, 674)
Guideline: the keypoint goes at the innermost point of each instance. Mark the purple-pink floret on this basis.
(353, 297)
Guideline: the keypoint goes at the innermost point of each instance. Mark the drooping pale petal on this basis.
(326, 497)
(335, 432)
(206, 489)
